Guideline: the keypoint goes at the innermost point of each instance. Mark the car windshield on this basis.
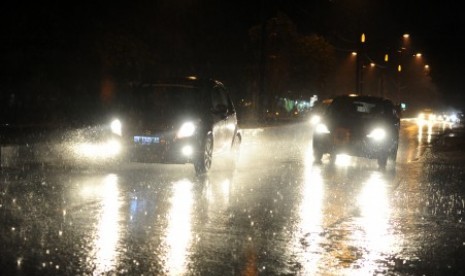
(163, 99)
(357, 108)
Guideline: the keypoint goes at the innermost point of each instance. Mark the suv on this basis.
(179, 121)
(358, 125)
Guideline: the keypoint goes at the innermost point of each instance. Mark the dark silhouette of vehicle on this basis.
(176, 121)
(187, 120)
(357, 125)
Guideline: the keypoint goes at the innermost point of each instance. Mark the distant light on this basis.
(187, 150)
(426, 66)
(187, 129)
(321, 128)
(342, 160)
(418, 55)
(372, 64)
(406, 36)
(354, 53)
(108, 149)
(386, 57)
(399, 68)
(362, 38)
(315, 119)
(377, 134)
(192, 77)
(116, 126)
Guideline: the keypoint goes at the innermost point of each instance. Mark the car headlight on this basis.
(186, 130)
(116, 127)
(377, 134)
(315, 119)
(106, 149)
(321, 128)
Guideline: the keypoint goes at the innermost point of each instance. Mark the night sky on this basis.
(63, 38)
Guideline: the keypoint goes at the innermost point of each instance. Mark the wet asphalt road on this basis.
(276, 214)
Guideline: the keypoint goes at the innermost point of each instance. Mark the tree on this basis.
(295, 64)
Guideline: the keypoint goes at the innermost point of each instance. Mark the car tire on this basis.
(235, 151)
(317, 155)
(382, 160)
(203, 161)
(393, 154)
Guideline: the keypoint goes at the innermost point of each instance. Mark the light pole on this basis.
(359, 64)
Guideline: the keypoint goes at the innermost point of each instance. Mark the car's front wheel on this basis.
(203, 161)
(393, 155)
(235, 151)
(317, 154)
(382, 160)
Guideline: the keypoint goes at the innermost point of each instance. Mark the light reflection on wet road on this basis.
(278, 213)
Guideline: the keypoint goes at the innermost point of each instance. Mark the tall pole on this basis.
(261, 97)
(359, 64)
(357, 72)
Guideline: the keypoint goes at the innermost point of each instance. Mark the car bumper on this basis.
(171, 152)
(365, 147)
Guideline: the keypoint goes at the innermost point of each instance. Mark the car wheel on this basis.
(317, 155)
(382, 160)
(235, 151)
(203, 161)
(393, 155)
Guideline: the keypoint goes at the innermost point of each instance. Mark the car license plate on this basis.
(146, 140)
(341, 136)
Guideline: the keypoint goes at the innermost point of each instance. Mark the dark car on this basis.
(358, 125)
(179, 121)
